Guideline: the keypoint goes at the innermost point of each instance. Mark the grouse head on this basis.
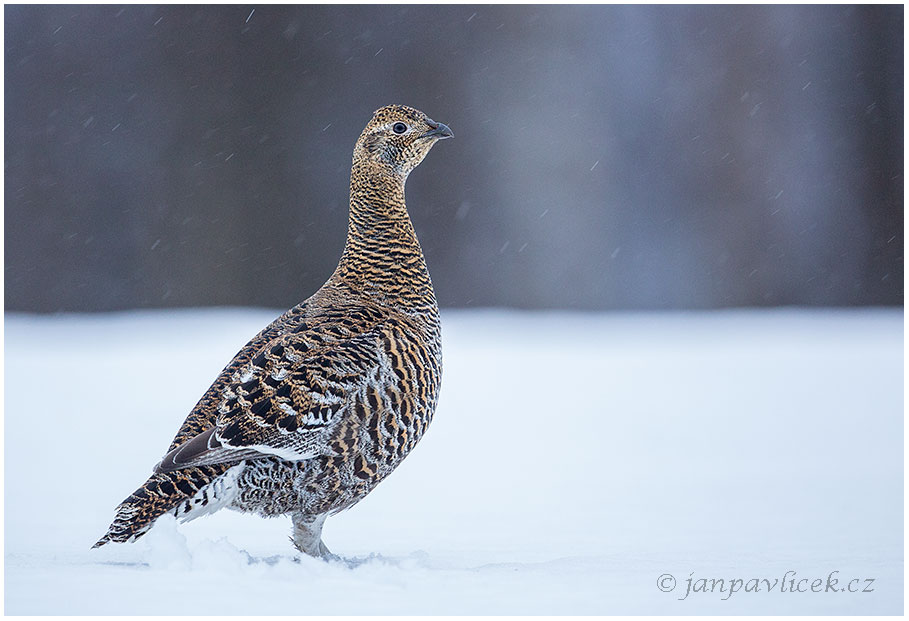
(398, 138)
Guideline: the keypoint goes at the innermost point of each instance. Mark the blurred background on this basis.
(605, 157)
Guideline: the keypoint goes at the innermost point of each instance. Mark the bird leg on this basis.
(307, 536)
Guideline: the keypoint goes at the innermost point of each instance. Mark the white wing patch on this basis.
(286, 453)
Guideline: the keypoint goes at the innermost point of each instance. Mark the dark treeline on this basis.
(604, 157)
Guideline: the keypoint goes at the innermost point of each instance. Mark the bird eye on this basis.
(399, 128)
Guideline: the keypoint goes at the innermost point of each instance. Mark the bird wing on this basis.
(286, 399)
(205, 413)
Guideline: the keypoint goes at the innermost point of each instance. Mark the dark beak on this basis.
(439, 130)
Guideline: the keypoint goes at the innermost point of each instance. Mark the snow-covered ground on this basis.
(576, 461)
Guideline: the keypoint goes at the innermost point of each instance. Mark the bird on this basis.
(329, 398)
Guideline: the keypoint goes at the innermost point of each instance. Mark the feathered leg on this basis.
(308, 535)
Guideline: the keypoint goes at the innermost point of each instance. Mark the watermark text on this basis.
(789, 582)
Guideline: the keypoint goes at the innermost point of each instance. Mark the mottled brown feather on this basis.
(326, 400)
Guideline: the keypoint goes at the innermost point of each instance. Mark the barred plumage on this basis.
(327, 400)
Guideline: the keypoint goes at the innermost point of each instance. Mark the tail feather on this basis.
(179, 492)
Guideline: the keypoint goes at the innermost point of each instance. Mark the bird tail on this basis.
(186, 493)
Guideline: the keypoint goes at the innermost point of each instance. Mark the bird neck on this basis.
(382, 258)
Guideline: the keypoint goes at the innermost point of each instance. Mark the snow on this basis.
(574, 460)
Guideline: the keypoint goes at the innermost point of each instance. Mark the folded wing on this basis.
(285, 401)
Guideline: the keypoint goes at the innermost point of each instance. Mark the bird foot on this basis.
(320, 551)
(307, 536)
